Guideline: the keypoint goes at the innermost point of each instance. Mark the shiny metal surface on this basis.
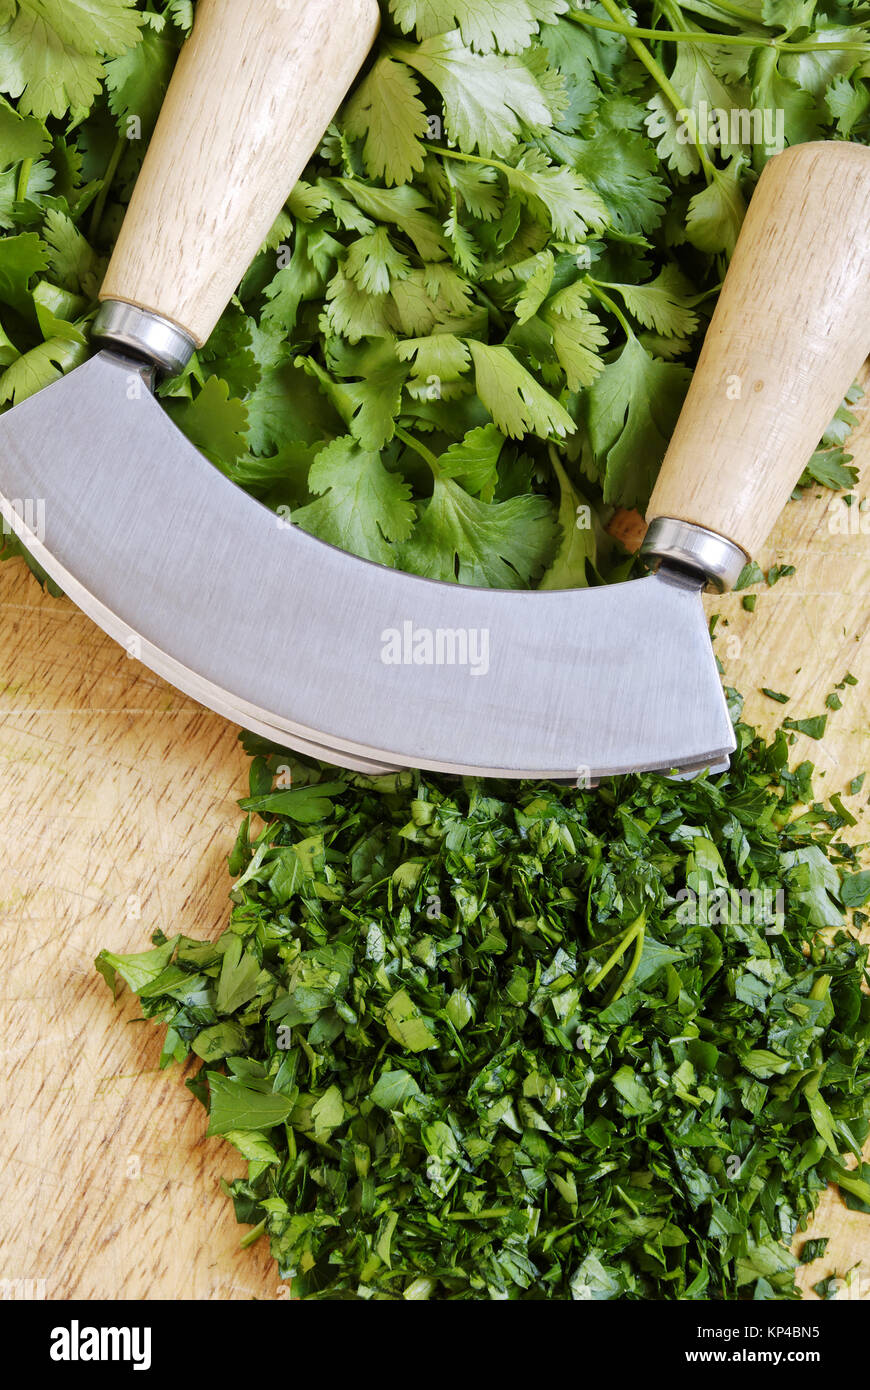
(704, 552)
(126, 328)
(288, 635)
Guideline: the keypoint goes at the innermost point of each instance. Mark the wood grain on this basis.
(790, 331)
(254, 89)
(113, 786)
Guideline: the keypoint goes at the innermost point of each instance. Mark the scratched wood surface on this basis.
(118, 809)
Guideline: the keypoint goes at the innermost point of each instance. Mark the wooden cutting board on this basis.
(118, 809)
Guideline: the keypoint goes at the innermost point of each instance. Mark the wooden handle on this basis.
(255, 86)
(789, 334)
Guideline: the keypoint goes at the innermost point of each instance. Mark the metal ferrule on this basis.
(669, 541)
(139, 333)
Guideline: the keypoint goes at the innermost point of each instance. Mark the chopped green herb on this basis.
(856, 889)
(813, 1249)
(751, 573)
(775, 695)
(488, 1041)
(845, 817)
(813, 727)
(777, 572)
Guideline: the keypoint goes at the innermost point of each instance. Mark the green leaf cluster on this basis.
(517, 223)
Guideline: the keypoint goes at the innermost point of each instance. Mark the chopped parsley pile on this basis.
(480, 1041)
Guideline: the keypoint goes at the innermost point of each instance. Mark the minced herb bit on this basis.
(481, 1040)
(813, 1249)
(813, 727)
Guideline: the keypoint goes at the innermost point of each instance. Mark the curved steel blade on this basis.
(302, 642)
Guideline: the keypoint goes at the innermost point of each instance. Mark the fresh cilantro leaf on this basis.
(694, 79)
(438, 361)
(847, 104)
(829, 467)
(370, 393)
(557, 193)
(772, 93)
(386, 109)
(632, 408)
(578, 543)
(484, 24)
(405, 206)
(662, 304)
(473, 460)
(716, 214)
(214, 421)
(21, 257)
(497, 544)
(373, 262)
(304, 805)
(363, 508)
(71, 259)
(515, 400)
(622, 167)
(577, 337)
(41, 366)
(138, 78)
(488, 98)
(21, 137)
(51, 51)
(303, 278)
(138, 970)
(288, 406)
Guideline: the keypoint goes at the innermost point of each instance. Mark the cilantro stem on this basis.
(635, 930)
(108, 179)
(252, 1235)
(654, 68)
(635, 962)
(737, 11)
(491, 306)
(491, 1214)
(608, 303)
(23, 180)
(420, 449)
(468, 158)
(634, 31)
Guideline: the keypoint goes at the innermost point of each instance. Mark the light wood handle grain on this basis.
(255, 86)
(786, 341)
